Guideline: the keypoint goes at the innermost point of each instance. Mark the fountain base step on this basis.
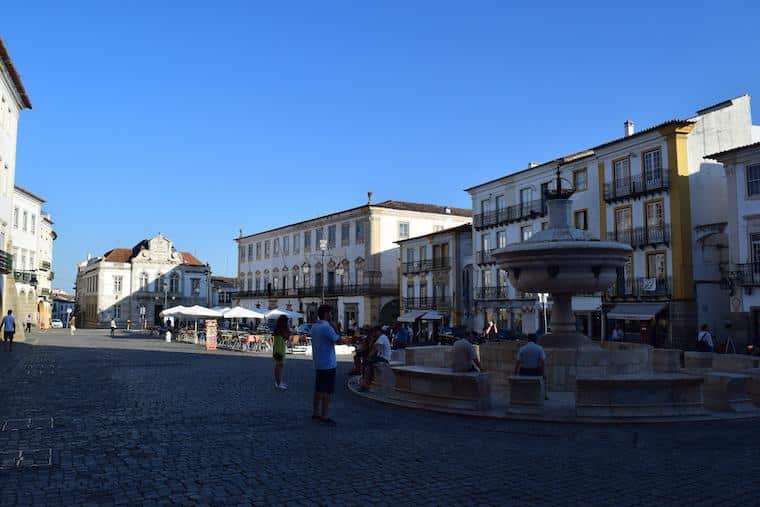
(566, 341)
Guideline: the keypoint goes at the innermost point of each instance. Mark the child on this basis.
(281, 336)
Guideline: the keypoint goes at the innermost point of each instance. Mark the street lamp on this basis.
(323, 248)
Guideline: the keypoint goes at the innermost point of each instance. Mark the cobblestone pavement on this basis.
(95, 420)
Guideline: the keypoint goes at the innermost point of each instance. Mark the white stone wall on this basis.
(9, 116)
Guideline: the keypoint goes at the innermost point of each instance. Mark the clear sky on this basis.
(196, 119)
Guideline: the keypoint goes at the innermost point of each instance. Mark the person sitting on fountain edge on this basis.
(464, 357)
(530, 359)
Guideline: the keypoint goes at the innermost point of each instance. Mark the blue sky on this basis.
(197, 119)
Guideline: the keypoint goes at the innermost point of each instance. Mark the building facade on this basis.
(224, 291)
(137, 283)
(742, 278)
(436, 276)
(348, 259)
(63, 306)
(652, 189)
(13, 99)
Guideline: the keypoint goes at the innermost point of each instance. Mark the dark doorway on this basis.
(157, 309)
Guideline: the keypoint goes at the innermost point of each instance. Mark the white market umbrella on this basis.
(242, 313)
(273, 314)
(200, 312)
(223, 309)
(172, 311)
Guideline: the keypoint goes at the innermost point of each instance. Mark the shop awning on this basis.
(411, 316)
(586, 303)
(636, 311)
(432, 315)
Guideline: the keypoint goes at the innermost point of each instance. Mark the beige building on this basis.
(349, 259)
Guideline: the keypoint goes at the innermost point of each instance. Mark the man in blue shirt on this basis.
(323, 339)
(402, 337)
(8, 325)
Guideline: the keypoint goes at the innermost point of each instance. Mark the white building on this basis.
(742, 167)
(224, 291)
(436, 277)
(32, 234)
(63, 306)
(13, 98)
(653, 189)
(357, 271)
(138, 283)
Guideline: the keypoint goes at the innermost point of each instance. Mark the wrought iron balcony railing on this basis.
(637, 185)
(491, 293)
(371, 289)
(515, 213)
(427, 303)
(485, 257)
(747, 274)
(45, 266)
(29, 277)
(642, 236)
(426, 265)
(640, 288)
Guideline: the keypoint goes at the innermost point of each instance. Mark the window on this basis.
(623, 224)
(174, 283)
(628, 276)
(195, 285)
(580, 219)
(144, 281)
(526, 195)
(486, 278)
(655, 220)
(656, 267)
(24, 223)
(250, 252)
(266, 249)
(307, 241)
(423, 253)
(320, 237)
(286, 245)
(241, 251)
(410, 255)
(258, 282)
(580, 179)
(296, 243)
(258, 250)
(501, 239)
(544, 226)
(117, 283)
(485, 206)
(331, 236)
(526, 232)
(15, 218)
(34, 224)
(117, 312)
(345, 234)
(753, 183)
(360, 232)
(501, 203)
(409, 289)
(485, 242)
(621, 172)
(403, 230)
(652, 168)
(23, 260)
(276, 247)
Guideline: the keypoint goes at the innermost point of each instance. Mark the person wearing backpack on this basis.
(705, 340)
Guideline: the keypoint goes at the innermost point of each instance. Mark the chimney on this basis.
(629, 127)
(369, 198)
(531, 165)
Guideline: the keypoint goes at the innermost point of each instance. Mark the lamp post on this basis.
(323, 248)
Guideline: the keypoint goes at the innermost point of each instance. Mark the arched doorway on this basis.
(389, 312)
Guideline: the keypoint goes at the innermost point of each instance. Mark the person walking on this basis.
(72, 325)
(113, 327)
(323, 340)
(28, 323)
(8, 325)
(281, 336)
(705, 340)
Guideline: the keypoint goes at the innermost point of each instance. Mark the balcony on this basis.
(6, 262)
(425, 265)
(641, 288)
(45, 266)
(636, 186)
(367, 289)
(485, 257)
(523, 211)
(746, 275)
(29, 277)
(491, 293)
(640, 237)
(427, 303)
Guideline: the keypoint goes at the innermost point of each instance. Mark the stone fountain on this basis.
(562, 261)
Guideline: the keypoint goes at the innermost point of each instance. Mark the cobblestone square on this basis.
(136, 420)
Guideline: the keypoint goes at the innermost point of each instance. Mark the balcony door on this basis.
(754, 240)
(655, 221)
(653, 169)
(656, 273)
(623, 224)
(621, 173)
